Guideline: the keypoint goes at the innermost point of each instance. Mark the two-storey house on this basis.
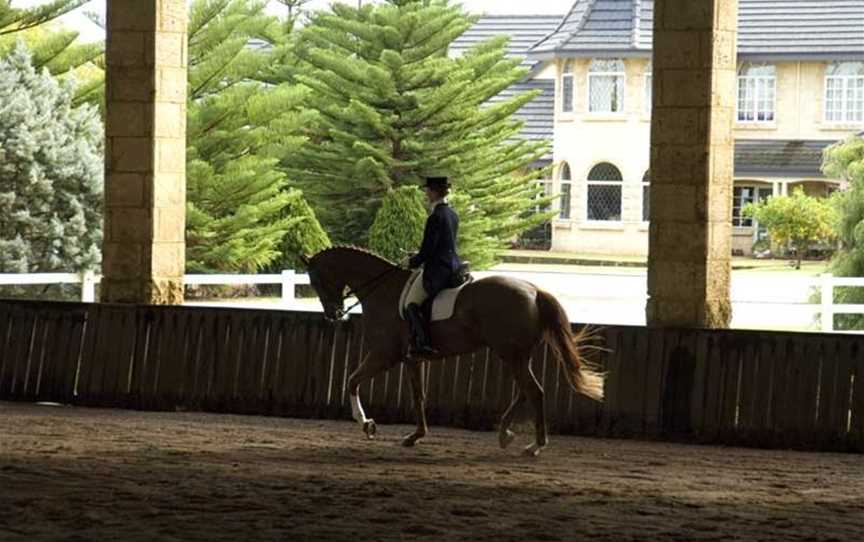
(800, 89)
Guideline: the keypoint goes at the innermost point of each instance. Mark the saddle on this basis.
(445, 302)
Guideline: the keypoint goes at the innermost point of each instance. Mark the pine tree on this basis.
(54, 47)
(399, 223)
(50, 172)
(238, 128)
(393, 108)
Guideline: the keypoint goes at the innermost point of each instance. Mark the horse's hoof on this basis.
(532, 450)
(370, 428)
(410, 440)
(505, 438)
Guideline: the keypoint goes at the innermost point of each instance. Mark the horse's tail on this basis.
(556, 330)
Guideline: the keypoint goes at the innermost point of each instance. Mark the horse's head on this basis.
(329, 287)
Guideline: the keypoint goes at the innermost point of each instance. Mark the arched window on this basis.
(566, 183)
(646, 196)
(567, 87)
(604, 193)
(756, 92)
(606, 86)
(844, 92)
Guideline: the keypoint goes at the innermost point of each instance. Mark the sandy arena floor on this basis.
(80, 474)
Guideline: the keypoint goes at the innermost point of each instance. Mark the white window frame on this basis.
(758, 89)
(622, 75)
(619, 183)
(851, 91)
(568, 193)
(646, 195)
(648, 92)
(546, 185)
(568, 77)
(759, 194)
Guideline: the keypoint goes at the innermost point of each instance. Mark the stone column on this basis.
(145, 154)
(689, 262)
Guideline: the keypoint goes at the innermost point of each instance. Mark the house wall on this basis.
(585, 139)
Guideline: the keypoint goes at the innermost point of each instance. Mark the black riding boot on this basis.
(421, 345)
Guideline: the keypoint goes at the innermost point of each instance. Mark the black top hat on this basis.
(437, 183)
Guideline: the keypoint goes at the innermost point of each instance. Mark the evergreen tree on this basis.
(238, 128)
(845, 160)
(50, 173)
(399, 223)
(305, 235)
(393, 108)
(53, 47)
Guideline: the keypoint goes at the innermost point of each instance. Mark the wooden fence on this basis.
(737, 387)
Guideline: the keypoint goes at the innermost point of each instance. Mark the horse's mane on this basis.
(353, 248)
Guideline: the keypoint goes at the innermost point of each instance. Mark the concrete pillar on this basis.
(690, 245)
(145, 155)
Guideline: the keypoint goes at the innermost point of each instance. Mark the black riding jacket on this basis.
(438, 251)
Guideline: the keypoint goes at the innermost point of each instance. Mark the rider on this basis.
(439, 260)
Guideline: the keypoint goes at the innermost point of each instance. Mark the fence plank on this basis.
(847, 354)
(19, 346)
(856, 419)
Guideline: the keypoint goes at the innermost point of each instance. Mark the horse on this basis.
(507, 315)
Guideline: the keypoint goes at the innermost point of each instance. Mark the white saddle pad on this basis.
(442, 306)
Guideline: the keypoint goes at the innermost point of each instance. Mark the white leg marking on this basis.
(357, 410)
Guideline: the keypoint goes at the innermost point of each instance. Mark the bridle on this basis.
(372, 284)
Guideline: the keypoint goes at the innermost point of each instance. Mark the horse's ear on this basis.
(304, 259)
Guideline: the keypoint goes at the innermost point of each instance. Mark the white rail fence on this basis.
(608, 289)
(288, 279)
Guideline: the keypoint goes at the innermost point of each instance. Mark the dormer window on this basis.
(756, 92)
(606, 86)
(567, 87)
(844, 92)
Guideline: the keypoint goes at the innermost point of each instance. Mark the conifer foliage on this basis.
(398, 226)
(50, 172)
(238, 128)
(393, 107)
(54, 48)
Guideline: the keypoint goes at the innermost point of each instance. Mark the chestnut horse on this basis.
(509, 316)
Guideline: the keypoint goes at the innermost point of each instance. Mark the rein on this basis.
(375, 282)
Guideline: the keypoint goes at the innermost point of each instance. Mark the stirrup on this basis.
(423, 350)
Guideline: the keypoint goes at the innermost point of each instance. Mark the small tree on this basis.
(797, 220)
(305, 235)
(845, 160)
(50, 173)
(399, 223)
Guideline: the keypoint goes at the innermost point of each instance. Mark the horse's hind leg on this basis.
(534, 392)
(505, 435)
(418, 391)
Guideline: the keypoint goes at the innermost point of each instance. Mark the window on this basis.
(604, 193)
(606, 86)
(741, 196)
(567, 88)
(646, 106)
(646, 196)
(565, 178)
(844, 92)
(756, 92)
(546, 187)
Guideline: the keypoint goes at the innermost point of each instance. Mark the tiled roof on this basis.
(779, 158)
(523, 30)
(766, 29)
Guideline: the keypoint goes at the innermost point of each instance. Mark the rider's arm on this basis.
(431, 234)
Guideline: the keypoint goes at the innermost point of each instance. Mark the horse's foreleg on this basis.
(364, 372)
(418, 391)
